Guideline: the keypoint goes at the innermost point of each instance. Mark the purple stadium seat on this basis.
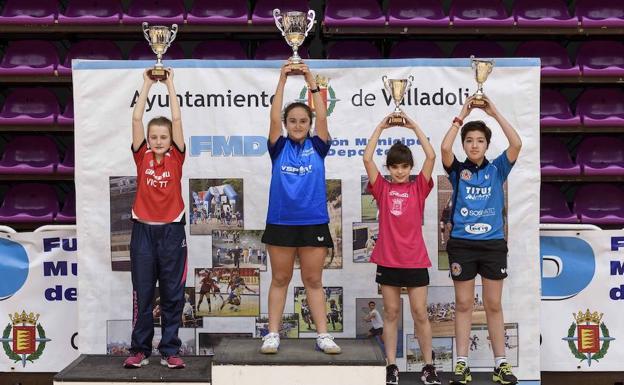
(164, 12)
(601, 58)
(555, 110)
(601, 107)
(68, 213)
(219, 12)
(29, 57)
(600, 203)
(479, 13)
(555, 159)
(29, 12)
(480, 49)
(67, 117)
(353, 13)
(600, 13)
(353, 50)
(416, 49)
(554, 57)
(29, 202)
(263, 12)
(601, 155)
(91, 12)
(543, 13)
(68, 164)
(142, 51)
(29, 106)
(277, 50)
(422, 13)
(90, 49)
(553, 206)
(219, 50)
(29, 154)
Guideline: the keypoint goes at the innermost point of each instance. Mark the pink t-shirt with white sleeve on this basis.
(401, 205)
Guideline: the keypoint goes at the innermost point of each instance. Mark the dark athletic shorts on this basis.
(392, 276)
(467, 258)
(376, 332)
(298, 236)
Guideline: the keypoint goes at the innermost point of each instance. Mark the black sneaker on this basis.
(429, 375)
(462, 374)
(392, 375)
(503, 375)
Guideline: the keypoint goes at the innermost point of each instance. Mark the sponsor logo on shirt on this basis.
(301, 170)
(478, 228)
(477, 213)
(478, 193)
(307, 152)
(397, 207)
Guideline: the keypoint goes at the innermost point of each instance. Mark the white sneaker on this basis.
(326, 344)
(270, 343)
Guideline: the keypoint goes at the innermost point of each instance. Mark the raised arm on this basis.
(176, 114)
(515, 143)
(369, 151)
(138, 130)
(447, 142)
(320, 109)
(427, 167)
(275, 127)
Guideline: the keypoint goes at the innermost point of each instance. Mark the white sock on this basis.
(464, 359)
(500, 360)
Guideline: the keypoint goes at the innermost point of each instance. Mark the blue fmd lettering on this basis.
(59, 268)
(576, 270)
(617, 243)
(228, 145)
(617, 268)
(70, 244)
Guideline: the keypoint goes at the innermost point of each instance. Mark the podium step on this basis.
(105, 370)
(239, 362)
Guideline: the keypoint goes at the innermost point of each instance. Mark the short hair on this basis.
(161, 121)
(399, 154)
(373, 302)
(294, 105)
(476, 125)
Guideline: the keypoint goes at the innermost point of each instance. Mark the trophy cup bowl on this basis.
(397, 88)
(159, 38)
(482, 69)
(294, 26)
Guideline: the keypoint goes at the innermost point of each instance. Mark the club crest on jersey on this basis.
(151, 163)
(28, 339)
(456, 269)
(465, 174)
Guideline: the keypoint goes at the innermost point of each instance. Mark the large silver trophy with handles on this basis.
(482, 69)
(294, 26)
(159, 38)
(397, 88)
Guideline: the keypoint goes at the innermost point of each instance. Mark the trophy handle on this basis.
(311, 16)
(277, 16)
(174, 32)
(386, 83)
(145, 26)
(410, 80)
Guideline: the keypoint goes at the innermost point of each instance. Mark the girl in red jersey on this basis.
(158, 242)
(400, 252)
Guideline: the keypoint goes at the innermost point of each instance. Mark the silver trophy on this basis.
(397, 88)
(294, 26)
(482, 69)
(159, 38)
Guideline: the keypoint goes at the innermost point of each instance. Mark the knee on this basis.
(312, 282)
(391, 314)
(281, 280)
(493, 305)
(464, 306)
(420, 316)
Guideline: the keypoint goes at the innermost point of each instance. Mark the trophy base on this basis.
(478, 103)
(158, 74)
(396, 121)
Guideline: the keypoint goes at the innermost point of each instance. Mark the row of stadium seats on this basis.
(593, 58)
(338, 13)
(595, 155)
(595, 107)
(35, 154)
(595, 203)
(36, 202)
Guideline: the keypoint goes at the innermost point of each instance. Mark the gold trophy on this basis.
(397, 88)
(482, 69)
(294, 26)
(159, 38)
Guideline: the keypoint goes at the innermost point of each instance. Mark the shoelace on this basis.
(270, 336)
(506, 368)
(326, 336)
(459, 368)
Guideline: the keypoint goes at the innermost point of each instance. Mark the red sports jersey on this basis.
(159, 189)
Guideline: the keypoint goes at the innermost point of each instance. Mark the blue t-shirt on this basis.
(297, 195)
(479, 198)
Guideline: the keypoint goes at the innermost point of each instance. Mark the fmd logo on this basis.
(13, 267)
(223, 146)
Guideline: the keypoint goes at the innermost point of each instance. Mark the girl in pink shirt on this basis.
(400, 252)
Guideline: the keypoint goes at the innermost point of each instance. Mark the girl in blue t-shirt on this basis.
(297, 218)
(477, 244)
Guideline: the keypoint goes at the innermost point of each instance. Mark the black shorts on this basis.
(485, 257)
(298, 236)
(400, 277)
(376, 332)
